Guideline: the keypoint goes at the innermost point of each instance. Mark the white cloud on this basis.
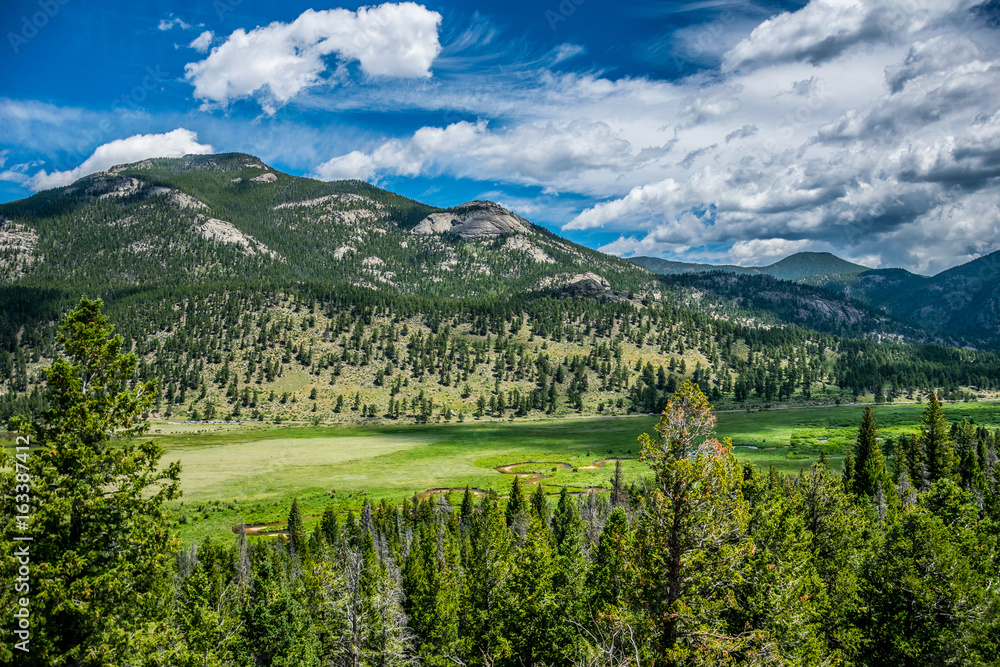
(894, 146)
(757, 252)
(171, 22)
(276, 62)
(824, 29)
(202, 42)
(177, 143)
(353, 165)
(844, 150)
(530, 154)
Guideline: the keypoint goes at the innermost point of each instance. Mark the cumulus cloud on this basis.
(756, 252)
(533, 154)
(825, 29)
(176, 143)
(202, 42)
(890, 152)
(353, 165)
(276, 62)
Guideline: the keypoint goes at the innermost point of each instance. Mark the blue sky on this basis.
(710, 130)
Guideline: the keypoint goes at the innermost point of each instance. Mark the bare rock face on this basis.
(266, 177)
(522, 244)
(17, 248)
(105, 185)
(587, 284)
(474, 220)
(221, 231)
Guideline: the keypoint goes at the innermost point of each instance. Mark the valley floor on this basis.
(249, 474)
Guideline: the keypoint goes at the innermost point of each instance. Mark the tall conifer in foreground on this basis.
(101, 547)
(688, 535)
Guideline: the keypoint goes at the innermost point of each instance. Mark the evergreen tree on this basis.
(100, 544)
(688, 534)
(937, 442)
(870, 476)
(517, 507)
(296, 532)
(567, 526)
(540, 505)
(610, 581)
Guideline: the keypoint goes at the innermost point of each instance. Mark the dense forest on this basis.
(701, 561)
(328, 352)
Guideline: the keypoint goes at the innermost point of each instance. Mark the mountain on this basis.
(252, 293)
(803, 264)
(205, 218)
(960, 306)
(793, 267)
(209, 219)
(770, 301)
(962, 303)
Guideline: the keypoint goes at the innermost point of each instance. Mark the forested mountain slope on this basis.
(962, 303)
(216, 217)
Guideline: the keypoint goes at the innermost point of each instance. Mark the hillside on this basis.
(217, 217)
(769, 301)
(962, 303)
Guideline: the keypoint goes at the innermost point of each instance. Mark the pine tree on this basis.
(619, 494)
(296, 532)
(516, 506)
(567, 526)
(847, 475)
(936, 437)
(870, 474)
(687, 537)
(540, 505)
(610, 580)
(101, 546)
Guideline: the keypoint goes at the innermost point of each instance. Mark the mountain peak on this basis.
(793, 267)
(474, 220)
(803, 264)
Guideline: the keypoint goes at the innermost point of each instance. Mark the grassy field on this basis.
(251, 473)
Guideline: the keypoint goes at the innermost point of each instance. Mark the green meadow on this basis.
(249, 474)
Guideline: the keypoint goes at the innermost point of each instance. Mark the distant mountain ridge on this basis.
(963, 302)
(794, 267)
(959, 306)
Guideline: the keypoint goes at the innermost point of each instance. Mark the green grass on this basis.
(250, 474)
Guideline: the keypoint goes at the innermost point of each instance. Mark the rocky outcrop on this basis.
(348, 198)
(185, 201)
(587, 284)
(106, 186)
(266, 177)
(221, 231)
(522, 244)
(474, 220)
(17, 250)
